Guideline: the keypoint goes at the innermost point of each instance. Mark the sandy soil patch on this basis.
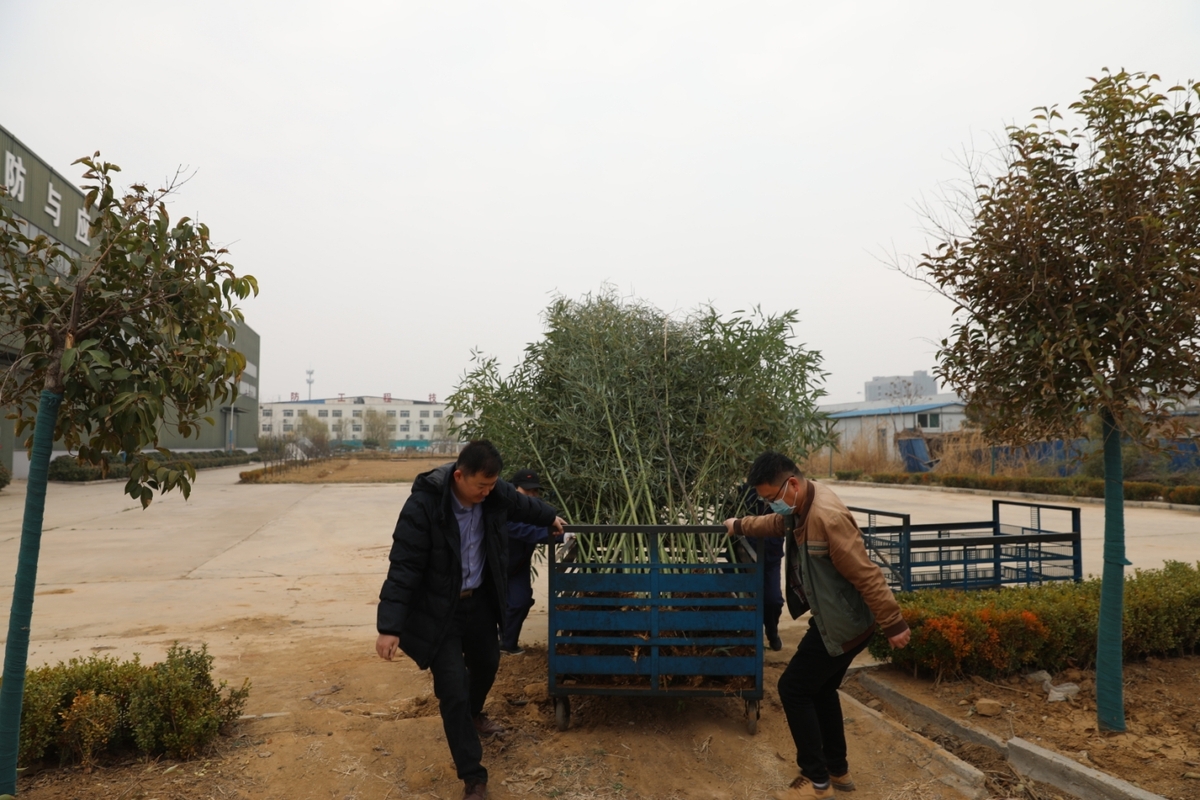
(360, 470)
(1161, 743)
(334, 721)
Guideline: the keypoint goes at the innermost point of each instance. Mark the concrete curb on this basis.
(941, 765)
(1028, 759)
(919, 715)
(1057, 498)
(1058, 770)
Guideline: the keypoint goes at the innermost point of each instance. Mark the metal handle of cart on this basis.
(656, 627)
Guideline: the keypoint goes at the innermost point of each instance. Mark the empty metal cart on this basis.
(1022, 544)
(631, 620)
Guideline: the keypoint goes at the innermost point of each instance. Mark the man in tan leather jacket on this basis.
(828, 572)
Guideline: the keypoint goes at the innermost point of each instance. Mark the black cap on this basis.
(526, 479)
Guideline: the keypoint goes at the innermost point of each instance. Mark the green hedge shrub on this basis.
(1185, 495)
(89, 707)
(1070, 487)
(67, 468)
(5, 476)
(1053, 626)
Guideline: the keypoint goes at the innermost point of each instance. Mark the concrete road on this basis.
(288, 561)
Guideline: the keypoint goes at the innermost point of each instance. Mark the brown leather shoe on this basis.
(802, 789)
(488, 727)
(843, 783)
(475, 791)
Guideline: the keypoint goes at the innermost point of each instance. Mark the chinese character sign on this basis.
(42, 198)
(387, 397)
(81, 227)
(295, 397)
(14, 176)
(53, 203)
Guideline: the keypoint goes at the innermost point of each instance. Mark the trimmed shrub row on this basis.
(68, 468)
(1051, 627)
(1070, 487)
(278, 468)
(90, 707)
(5, 476)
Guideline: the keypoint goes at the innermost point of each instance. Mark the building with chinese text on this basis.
(46, 203)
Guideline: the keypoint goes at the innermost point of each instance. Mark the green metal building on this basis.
(50, 204)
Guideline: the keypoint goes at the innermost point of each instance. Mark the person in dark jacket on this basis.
(523, 541)
(444, 595)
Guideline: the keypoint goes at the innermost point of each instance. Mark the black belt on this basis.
(465, 593)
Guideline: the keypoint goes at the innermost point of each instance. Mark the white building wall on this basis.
(412, 421)
(901, 388)
(879, 421)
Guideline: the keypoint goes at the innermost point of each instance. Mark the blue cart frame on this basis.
(645, 608)
(983, 554)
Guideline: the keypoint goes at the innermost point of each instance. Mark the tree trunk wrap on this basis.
(16, 649)
(1110, 689)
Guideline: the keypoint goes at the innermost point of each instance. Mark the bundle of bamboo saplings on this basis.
(635, 416)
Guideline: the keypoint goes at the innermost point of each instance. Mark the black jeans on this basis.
(464, 669)
(808, 690)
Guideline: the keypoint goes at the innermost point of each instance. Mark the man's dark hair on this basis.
(480, 456)
(772, 467)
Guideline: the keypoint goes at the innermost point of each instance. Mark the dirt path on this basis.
(281, 582)
(1159, 749)
(340, 723)
(378, 469)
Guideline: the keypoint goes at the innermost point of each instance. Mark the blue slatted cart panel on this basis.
(657, 628)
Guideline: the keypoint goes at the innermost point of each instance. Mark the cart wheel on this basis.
(562, 713)
(752, 714)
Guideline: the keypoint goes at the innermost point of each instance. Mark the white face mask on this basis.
(779, 505)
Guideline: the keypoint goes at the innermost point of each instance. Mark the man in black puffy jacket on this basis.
(444, 595)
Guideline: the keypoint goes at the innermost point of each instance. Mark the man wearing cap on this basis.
(523, 541)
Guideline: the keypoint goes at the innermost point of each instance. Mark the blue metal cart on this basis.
(657, 628)
(1022, 544)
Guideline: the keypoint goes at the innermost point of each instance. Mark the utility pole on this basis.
(310, 382)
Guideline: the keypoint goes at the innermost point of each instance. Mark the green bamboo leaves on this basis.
(633, 416)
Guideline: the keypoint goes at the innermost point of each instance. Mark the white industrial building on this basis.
(420, 424)
(901, 389)
(877, 422)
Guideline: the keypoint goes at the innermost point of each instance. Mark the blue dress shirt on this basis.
(470, 529)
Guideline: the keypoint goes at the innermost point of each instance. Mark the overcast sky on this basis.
(409, 181)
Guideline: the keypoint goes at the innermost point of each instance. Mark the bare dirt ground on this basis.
(333, 721)
(1159, 748)
(281, 582)
(361, 470)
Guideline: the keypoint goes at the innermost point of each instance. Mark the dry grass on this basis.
(966, 452)
(914, 791)
(360, 470)
(862, 453)
(963, 452)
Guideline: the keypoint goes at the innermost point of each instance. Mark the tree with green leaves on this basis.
(633, 416)
(1076, 279)
(138, 334)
